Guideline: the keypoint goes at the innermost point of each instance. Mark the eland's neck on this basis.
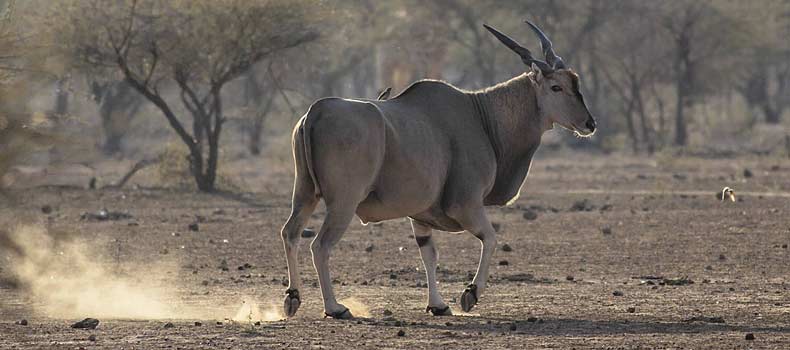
(510, 115)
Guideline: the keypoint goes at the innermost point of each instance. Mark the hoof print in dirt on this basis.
(469, 298)
(88, 323)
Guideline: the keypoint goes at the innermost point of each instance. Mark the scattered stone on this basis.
(22, 322)
(198, 324)
(606, 207)
(401, 333)
(387, 312)
(784, 246)
(681, 281)
(705, 319)
(679, 177)
(747, 173)
(105, 215)
(569, 278)
(308, 233)
(223, 265)
(194, 227)
(46, 209)
(722, 257)
(393, 276)
(369, 248)
(513, 326)
(503, 263)
(617, 293)
(507, 248)
(257, 323)
(532, 319)
(631, 309)
(246, 266)
(92, 337)
(749, 336)
(529, 215)
(169, 325)
(88, 323)
(606, 230)
(582, 205)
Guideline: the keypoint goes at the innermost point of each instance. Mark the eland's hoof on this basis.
(439, 311)
(340, 315)
(292, 302)
(469, 298)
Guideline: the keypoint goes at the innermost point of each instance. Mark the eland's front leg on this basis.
(474, 220)
(422, 234)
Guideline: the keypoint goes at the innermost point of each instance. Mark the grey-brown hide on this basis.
(434, 153)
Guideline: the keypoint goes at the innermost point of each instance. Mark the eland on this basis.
(435, 154)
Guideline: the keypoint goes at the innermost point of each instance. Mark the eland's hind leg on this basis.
(338, 217)
(291, 232)
(422, 234)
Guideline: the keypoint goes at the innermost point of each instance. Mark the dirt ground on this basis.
(608, 263)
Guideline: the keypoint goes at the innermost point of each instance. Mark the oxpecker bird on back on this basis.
(435, 154)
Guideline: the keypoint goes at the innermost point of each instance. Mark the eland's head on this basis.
(557, 87)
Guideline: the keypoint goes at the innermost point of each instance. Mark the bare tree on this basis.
(199, 47)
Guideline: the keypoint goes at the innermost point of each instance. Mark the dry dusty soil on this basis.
(624, 253)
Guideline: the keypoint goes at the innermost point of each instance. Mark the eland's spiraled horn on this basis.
(523, 52)
(551, 58)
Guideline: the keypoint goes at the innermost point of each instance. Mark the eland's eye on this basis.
(556, 88)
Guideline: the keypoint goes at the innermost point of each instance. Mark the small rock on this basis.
(722, 257)
(169, 325)
(775, 168)
(529, 215)
(22, 322)
(606, 230)
(749, 336)
(308, 233)
(532, 319)
(784, 246)
(369, 248)
(503, 263)
(393, 276)
(507, 248)
(198, 324)
(513, 326)
(631, 310)
(46, 209)
(88, 323)
(194, 227)
(747, 173)
(92, 337)
(569, 278)
(387, 312)
(257, 323)
(617, 293)
(401, 333)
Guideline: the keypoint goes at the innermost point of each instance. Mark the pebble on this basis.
(88, 323)
(606, 230)
(617, 293)
(504, 263)
(532, 319)
(529, 215)
(401, 333)
(194, 227)
(631, 310)
(513, 326)
(22, 322)
(369, 248)
(169, 325)
(507, 248)
(198, 324)
(749, 336)
(387, 312)
(308, 233)
(747, 173)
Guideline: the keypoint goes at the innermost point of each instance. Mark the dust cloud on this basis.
(64, 277)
